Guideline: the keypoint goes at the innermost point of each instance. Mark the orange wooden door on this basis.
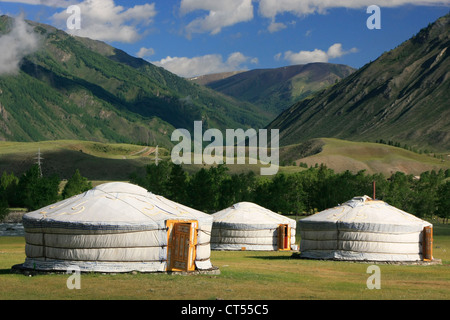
(427, 244)
(284, 237)
(181, 248)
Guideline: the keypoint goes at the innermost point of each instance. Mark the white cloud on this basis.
(145, 52)
(303, 57)
(276, 26)
(106, 21)
(18, 43)
(336, 51)
(48, 3)
(272, 8)
(207, 64)
(220, 14)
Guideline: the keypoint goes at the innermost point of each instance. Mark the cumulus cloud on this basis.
(220, 14)
(106, 21)
(207, 64)
(276, 26)
(303, 57)
(145, 52)
(48, 3)
(272, 8)
(18, 43)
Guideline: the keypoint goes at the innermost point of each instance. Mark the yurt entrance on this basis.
(181, 239)
(284, 237)
(427, 243)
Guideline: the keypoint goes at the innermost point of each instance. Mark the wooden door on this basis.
(284, 237)
(182, 239)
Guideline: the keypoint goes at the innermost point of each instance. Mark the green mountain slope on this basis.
(78, 88)
(277, 89)
(403, 96)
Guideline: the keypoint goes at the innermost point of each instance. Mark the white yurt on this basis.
(117, 227)
(365, 229)
(248, 226)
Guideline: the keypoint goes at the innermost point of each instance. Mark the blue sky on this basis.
(195, 37)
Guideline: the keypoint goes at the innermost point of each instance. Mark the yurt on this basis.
(117, 227)
(365, 229)
(248, 226)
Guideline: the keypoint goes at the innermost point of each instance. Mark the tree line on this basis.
(305, 192)
(213, 189)
(33, 191)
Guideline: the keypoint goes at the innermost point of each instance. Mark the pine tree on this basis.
(75, 185)
(443, 202)
(35, 191)
(177, 184)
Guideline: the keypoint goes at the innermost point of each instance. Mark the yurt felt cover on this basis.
(115, 227)
(248, 226)
(362, 229)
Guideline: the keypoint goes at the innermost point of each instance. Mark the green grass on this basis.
(244, 275)
(341, 155)
(96, 161)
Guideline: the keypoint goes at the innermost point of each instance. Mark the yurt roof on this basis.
(115, 205)
(250, 214)
(365, 214)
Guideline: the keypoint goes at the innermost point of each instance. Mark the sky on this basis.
(197, 37)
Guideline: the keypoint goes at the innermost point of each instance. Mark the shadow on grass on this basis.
(272, 257)
(6, 271)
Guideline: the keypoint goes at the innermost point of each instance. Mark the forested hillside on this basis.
(77, 88)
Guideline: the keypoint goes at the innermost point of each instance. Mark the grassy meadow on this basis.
(110, 161)
(341, 155)
(244, 275)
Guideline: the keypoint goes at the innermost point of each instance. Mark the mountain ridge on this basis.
(275, 89)
(403, 96)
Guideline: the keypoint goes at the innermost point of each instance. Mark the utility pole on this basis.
(157, 156)
(39, 162)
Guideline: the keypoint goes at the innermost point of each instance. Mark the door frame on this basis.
(427, 243)
(284, 237)
(171, 243)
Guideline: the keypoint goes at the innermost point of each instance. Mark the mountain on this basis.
(78, 88)
(276, 89)
(403, 97)
(209, 78)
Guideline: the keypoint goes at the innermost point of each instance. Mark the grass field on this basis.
(244, 275)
